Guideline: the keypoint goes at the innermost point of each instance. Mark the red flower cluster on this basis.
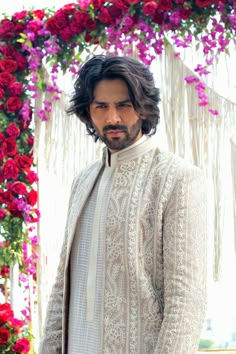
(4, 271)
(16, 175)
(10, 89)
(69, 20)
(11, 340)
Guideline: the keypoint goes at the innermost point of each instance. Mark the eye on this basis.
(101, 106)
(125, 105)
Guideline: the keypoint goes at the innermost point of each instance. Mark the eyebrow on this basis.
(119, 102)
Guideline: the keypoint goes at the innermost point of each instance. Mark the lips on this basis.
(114, 133)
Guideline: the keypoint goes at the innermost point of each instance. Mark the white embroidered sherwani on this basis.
(155, 256)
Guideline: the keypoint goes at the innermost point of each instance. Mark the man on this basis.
(132, 272)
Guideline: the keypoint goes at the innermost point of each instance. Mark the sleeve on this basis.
(51, 343)
(185, 264)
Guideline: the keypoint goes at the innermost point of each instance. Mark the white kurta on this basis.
(87, 266)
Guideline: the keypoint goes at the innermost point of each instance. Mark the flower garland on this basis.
(58, 39)
(14, 338)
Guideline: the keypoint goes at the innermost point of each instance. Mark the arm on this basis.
(185, 264)
(51, 342)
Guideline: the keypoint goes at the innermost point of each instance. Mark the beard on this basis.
(119, 143)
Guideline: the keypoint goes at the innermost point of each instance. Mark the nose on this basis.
(113, 116)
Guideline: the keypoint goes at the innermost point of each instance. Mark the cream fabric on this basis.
(154, 286)
(233, 168)
(84, 336)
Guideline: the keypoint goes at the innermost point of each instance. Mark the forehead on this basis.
(110, 89)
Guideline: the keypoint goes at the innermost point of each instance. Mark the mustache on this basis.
(114, 127)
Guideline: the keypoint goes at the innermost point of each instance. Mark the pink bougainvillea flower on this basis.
(191, 79)
(213, 111)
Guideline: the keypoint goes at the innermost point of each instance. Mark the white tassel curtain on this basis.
(233, 167)
(195, 134)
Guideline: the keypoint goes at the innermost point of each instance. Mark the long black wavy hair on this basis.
(138, 78)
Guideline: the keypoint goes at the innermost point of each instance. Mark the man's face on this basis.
(113, 115)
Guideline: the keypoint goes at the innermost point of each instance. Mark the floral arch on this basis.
(59, 39)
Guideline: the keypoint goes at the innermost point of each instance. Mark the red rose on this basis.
(8, 51)
(76, 27)
(9, 147)
(21, 61)
(90, 24)
(38, 14)
(66, 34)
(6, 197)
(24, 124)
(32, 197)
(19, 28)
(16, 89)
(6, 79)
(69, 9)
(6, 313)
(79, 15)
(14, 211)
(88, 38)
(62, 19)
(2, 93)
(19, 188)
(52, 25)
(84, 20)
(105, 17)
(184, 13)
(114, 11)
(10, 169)
(6, 29)
(30, 140)
(149, 8)
(12, 130)
(4, 336)
(13, 104)
(2, 155)
(20, 15)
(22, 345)
(32, 177)
(123, 4)
(2, 214)
(4, 271)
(97, 4)
(2, 137)
(23, 162)
(164, 5)
(204, 3)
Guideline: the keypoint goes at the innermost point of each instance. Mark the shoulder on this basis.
(170, 163)
(174, 175)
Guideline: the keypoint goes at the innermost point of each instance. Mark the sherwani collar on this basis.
(143, 145)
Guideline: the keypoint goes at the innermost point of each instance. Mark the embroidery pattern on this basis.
(135, 298)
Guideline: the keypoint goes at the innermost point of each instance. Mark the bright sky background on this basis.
(12, 6)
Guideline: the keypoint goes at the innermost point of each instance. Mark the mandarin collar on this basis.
(140, 147)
